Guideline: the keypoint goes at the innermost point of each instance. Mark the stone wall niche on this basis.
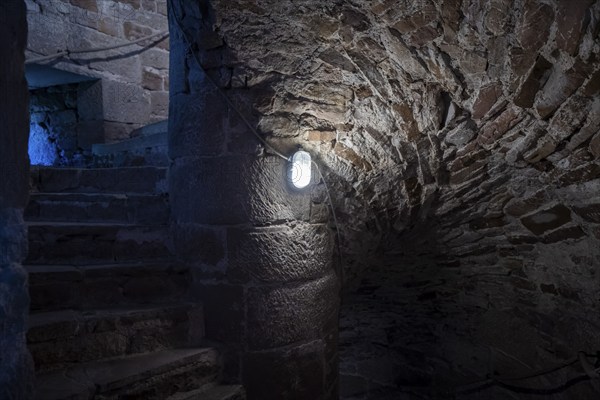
(66, 116)
(16, 367)
(262, 261)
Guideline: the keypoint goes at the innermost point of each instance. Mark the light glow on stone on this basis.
(41, 149)
(299, 172)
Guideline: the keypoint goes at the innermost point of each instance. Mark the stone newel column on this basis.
(261, 256)
(16, 367)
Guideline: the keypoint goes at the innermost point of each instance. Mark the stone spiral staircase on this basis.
(109, 317)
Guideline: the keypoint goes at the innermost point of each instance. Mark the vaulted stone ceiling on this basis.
(459, 137)
(453, 117)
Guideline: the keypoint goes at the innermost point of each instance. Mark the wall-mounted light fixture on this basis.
(299, 170)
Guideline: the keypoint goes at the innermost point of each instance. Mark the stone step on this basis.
(75, 243)
(146, 179)
(221, 392)
(56, 287)
(152, 376)
(150, 149)
(151, 129)
(89, 207)
(57, 339)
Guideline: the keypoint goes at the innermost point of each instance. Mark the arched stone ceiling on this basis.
(461, 139)
(440, 115)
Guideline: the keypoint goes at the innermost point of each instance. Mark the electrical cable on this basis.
(162, 35)
(335, 223)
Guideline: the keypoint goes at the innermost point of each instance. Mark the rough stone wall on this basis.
(16, 367)
(461, 138)
(260, 251)
(134, 86)
(490, 214)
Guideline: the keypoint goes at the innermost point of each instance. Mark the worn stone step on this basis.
(91, 207)
(94, 243)
(149, 149)
(145, 179)
(152, 376)
(220, 392)
(59, 338)
(54, 287)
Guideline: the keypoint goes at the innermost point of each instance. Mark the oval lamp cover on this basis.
(299, 173)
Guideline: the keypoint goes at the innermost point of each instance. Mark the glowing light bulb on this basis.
(299, 172)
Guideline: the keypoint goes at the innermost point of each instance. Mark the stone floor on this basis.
(403, 335)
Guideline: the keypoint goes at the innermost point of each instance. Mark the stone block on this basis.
(155, 58)
(582, 174)
(89, 5)
(558, 88)
(118, 131)
(543, 148)
(161, 7)
(149, 5)
(89, 133)
(293, 373)
(462, 134)
(590, 212)
(592, 87)
(320, 136)
(71, 337)
(283, 315)
(223, 310)
(110, 27)
(518, 207)
(234, 189)
(571, 23)
(595, 145)
(279, 254)
(198, 122)
(95, 244)
(42, 101)
(521, 62)
(128, 69)
(495, 129)
(562, 234)
(546, 220)
(319, 213)
(473, 63)
(153, 20)
(279, 125)
(101, 180)
(46, 33)
(533, 29)
(487, 97)
(124, 102)
(496, 17)
(351, 156)
(159, 102)
(538, 75)
(89, 101)
(142, 290)
(197, 243)
(84, 37)
(569, 117)
(133, 31)
(151, 80)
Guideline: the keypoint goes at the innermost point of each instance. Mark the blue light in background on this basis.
(42, 150)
